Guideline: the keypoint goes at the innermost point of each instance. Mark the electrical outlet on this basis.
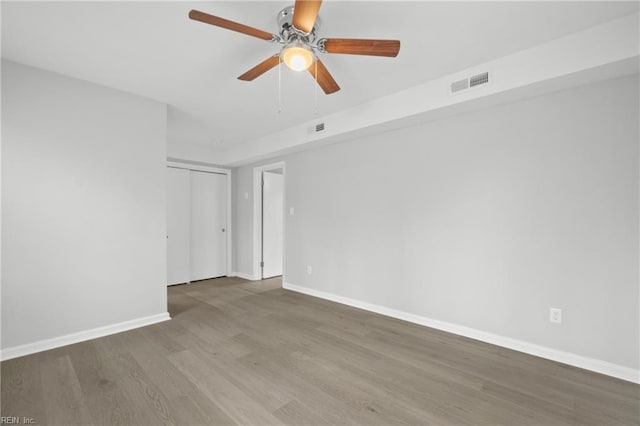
(309, 270)
(291, 211)
(555, 315)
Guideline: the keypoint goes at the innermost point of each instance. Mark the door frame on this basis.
(257, 215)
(222, 171)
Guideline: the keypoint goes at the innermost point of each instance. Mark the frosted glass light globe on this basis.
(297, 56)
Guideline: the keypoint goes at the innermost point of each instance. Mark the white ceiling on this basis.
(152, 49)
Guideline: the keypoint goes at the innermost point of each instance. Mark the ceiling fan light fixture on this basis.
(298, 35)
(297, 56)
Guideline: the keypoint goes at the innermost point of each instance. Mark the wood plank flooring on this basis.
(251, 353)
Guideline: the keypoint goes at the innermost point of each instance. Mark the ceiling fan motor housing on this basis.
(289, 33)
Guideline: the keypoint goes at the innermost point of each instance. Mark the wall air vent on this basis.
(467, 83)
(319, 127)
(479, 79)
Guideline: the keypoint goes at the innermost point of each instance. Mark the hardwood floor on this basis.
(240, 352)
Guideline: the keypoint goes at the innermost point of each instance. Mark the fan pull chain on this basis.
(279, 84)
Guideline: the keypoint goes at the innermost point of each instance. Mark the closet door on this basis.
(208, 248)
(178, 230)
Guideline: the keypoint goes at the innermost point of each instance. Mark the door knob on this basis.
(222, 229)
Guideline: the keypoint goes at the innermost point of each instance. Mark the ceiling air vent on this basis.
(479, 79)
(319, 127)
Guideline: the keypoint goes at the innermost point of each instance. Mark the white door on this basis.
(272, 225)
(178, 233)
(208, 247)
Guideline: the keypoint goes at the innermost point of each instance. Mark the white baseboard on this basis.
(81, 336)
(599, 366)
(244, 276)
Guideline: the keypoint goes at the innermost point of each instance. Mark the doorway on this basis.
(269, 202)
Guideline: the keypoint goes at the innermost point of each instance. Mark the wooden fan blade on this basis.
(261, 68)
(324, 78)
(196, 15)
(355, 46)
(305, 13)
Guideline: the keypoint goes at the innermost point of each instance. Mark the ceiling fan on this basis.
(298, 34)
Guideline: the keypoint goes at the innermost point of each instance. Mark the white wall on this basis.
(83, 206)
(484, 220)
(189, 138)
(242, 199)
